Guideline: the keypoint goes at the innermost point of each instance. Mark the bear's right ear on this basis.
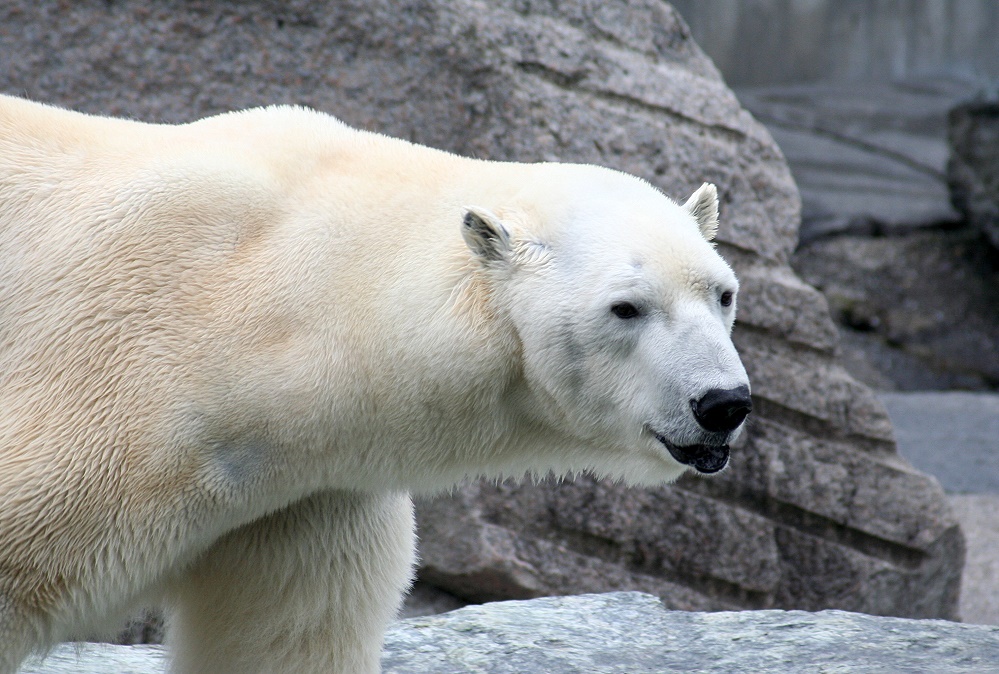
(485, 235)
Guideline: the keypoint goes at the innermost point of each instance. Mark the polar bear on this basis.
(231, 349)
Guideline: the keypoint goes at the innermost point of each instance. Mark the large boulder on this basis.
(629, 632)
(817, 509)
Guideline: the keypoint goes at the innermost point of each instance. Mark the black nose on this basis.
(722, 410)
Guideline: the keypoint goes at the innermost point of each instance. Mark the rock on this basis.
(93, 658)
(631, 632)
(973, 170)
(427, 599)
(867, 157)
(775, 41)
(952, 435)
(980, 585)
(918, 311)
(817, 509)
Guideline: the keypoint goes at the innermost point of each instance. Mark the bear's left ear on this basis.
(485, 235)
(703, 205)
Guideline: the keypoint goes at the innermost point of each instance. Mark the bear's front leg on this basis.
(310, 588)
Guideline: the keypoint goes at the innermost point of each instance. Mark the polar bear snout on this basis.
(722, 410)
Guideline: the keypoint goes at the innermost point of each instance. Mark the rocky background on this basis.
(817, 509)
(899, 184)
(888, 114)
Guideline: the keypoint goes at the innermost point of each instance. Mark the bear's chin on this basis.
(705, 459)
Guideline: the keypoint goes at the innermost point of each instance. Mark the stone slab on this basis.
(630, 632)
(92, 658)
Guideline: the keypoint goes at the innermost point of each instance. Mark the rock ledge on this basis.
(631, 632)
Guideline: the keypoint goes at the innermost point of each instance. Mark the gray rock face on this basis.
(817, 510)
(774, 41)
(867, 157)
(631, 633)
(91, 658)
(973, 170)
(919, 311)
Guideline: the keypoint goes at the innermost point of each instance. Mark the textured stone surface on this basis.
(827, 514)
(816, 509)
(868, 157)
(918, 311)
(973, 170)
(91, 658)
(147, 627)
(630, 633)
(776, 41)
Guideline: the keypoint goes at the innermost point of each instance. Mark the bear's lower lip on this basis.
(704, 459)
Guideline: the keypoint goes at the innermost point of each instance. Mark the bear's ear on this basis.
(703, 205)
(485, 235)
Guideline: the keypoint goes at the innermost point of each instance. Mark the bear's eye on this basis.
(726, 298)
(625, 310)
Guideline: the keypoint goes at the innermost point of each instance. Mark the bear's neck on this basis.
(422, 384)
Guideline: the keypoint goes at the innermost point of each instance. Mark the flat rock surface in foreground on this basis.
(632, 632)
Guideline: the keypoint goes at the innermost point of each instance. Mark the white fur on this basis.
(229, 349)
(703, 205)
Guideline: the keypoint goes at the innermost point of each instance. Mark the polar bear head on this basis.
(623, 312)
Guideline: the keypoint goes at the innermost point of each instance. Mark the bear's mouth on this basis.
(704, 459)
